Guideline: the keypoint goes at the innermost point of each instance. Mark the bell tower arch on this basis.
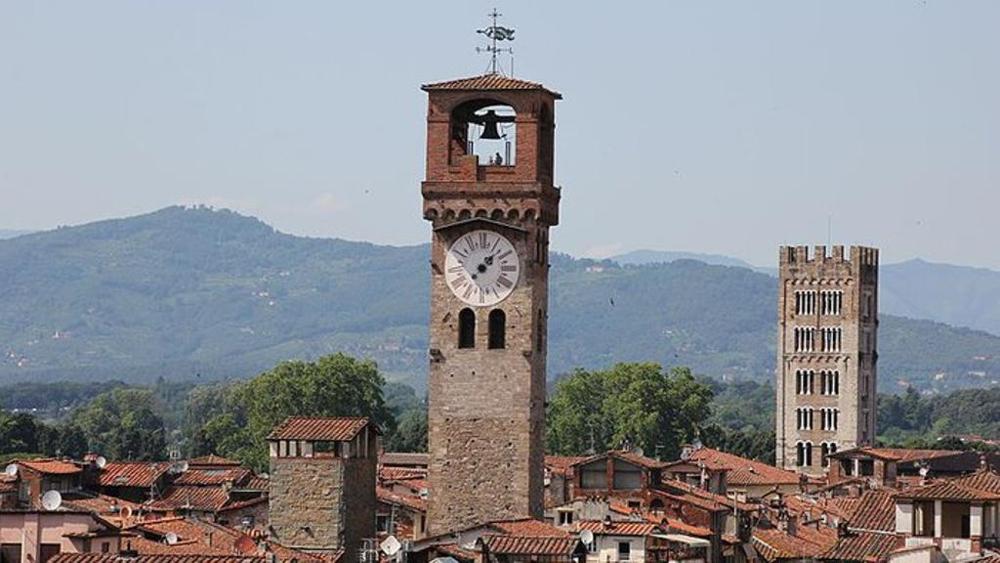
(490, 211)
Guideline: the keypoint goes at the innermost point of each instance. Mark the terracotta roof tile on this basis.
(899, 455)
(456, 551)
(154, 558)
(640, 460)
(982, 480)
(50, 466)
(319, 428)
(685, 528)
(519, 545)
(488, 82)
(807, 542)
(131, 474)
(948, 490)
(743, 471)
(400, 473)
(212, 476)
(205, 499)
(103, 505)
(211, 460)
(256, 483)
(619, 528)
(409, 501)
(527, 527)
(562, 464)
(864, 546)
(875, 511)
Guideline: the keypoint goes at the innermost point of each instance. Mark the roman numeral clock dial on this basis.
(481, 268)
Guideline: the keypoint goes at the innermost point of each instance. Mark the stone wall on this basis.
(306, 502)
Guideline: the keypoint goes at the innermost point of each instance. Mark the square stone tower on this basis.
(827, 354)
(490, 198)
(322, 491)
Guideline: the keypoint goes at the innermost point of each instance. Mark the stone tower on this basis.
(490, 198)
(322, 489)
(827, 354)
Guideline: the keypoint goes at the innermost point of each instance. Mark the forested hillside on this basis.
(203, 294)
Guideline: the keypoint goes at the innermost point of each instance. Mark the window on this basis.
(805, 302)
(48, 551)
(565, 517)
(466, 329)
(105, 547)
(498, 328)
(804, 418)
(10, 553)
(382, 523)
(624, 550)
(831, 302)
(805, 339)
(627, 476)
(804, 380)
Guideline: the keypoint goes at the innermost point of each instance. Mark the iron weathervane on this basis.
(496, 33)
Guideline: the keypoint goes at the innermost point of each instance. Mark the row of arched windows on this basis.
(805, 339)
(829, 418)
(829, 381)
(829, 302)
(497, 329)
(804, 418)
(805, 380)
(832, 338)
(804, 457)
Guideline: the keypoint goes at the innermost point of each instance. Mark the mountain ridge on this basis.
(195, 292)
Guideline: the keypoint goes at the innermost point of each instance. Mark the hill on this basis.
(643, 256)
(197, 293)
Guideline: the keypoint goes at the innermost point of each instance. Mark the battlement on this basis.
(801, 255)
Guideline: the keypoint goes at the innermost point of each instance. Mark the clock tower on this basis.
(490, 198)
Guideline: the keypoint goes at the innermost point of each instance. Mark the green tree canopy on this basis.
(637, 403)
(123, 424)
(336, 385)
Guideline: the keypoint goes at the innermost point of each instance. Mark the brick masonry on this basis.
(856, 361)
(487, 407)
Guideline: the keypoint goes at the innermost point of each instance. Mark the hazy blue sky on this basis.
(726, 127)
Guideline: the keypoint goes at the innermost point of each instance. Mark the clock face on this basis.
(481, 268)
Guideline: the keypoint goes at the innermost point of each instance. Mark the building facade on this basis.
(827, 354)
(490, 198)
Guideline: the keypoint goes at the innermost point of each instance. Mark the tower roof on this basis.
(489, 82)
(319, 428)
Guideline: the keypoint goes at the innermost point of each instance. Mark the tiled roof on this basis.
(212, 476)
(899, 455)
(155, 558)
(319, 428)
(982, 480)
(864, 546)
(211, 460)
(637, 459)
(131, 474)
(205, 499)
(875, 511)
(405, 458)
(684, 492)
(256, 483)
(7, 484)
(807, 542)
(743, 471)
(144, 546)
(400, 473)
(488, 82)
(685, 528)
(99, 504)
(456, 551)
(409, 501)
(948, 490)
(527, 527)
(562, 463)
(50, 466)
(518, 545)
(619, 528)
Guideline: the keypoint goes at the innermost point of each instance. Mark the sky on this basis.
(720, 127)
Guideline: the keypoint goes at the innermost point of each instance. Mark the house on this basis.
(29, 535)
(37, 476)
(528, 540)
(955, 518)
(885, 466)
(512, 549)
(727, 474)
(626, 541)
(136, 481)
(401, 514)
(621, 474)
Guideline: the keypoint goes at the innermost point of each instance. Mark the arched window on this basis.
(800, 454)
(498, 329)
(466, 329)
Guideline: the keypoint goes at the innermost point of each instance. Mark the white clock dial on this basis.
(481, 268)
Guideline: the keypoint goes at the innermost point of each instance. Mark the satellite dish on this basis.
(587, 537)
(171, 538)
(51, 500)
(444, 560)
(390, 546)
(101, 462)
(924, 471)
(11, 470)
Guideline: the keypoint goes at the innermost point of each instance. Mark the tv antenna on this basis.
(496, 33)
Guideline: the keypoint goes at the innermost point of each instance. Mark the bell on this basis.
(490, 130)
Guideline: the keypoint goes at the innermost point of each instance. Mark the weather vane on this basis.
(496, 33)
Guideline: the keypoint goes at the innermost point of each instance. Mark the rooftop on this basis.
(487, 82)
(321, 429)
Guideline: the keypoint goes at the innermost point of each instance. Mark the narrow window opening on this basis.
(498, 329)
(466, 329)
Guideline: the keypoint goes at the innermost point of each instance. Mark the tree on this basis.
(634, 403)
(411, 434)
(18, 433)
(335, 385)
(123, 424)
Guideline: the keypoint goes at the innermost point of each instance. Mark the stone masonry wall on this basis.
(306, 502)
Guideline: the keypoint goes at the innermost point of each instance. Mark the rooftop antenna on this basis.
(496, 33)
